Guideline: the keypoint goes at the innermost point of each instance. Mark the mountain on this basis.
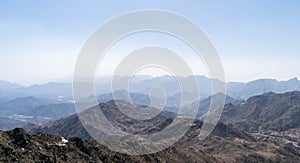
(71, 126)
(202, 104)
(8, 123)
(205, 104)
(51, 90)
(20, 111)
(229, 145)
(237, 90)
(22, 105)
(55, 111)
(260, 86)
(270, 114)
(5, 89)
(7, 86)
(171, 84)
(138, 99)
(225, 144)
(143, 85)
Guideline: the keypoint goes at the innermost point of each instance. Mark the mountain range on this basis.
(259, 123)
(228, 142)
(143, 84)
(20, 103)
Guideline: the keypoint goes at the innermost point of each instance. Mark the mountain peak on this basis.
(293, 79)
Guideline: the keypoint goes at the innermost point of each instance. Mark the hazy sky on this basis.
(40, 40)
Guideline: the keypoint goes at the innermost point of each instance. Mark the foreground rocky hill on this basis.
(19, 146)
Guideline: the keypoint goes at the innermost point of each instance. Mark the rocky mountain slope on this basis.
(19, 146)
(269, 114)
(224, 144)
(71, 125)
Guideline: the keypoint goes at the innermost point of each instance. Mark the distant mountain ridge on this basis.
(23, 110)
(260, 86)
(237, 90)
(7, 86)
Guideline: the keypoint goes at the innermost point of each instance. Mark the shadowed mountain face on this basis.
(224, 144)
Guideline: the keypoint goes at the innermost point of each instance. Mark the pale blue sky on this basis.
(40, 40)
